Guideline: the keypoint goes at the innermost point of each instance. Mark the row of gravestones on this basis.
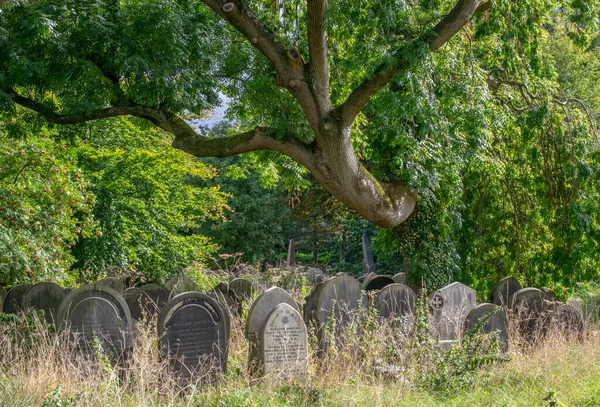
(194, 327)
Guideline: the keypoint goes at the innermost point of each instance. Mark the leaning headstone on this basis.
(180, 283)
(2, 295)
(339, 297)
(377, 283)
(291, 258)
(529, 307)
(283, 344)
(242, 288)
(97, 313)
(368, 261)
(13, 301)
(44, 296)
(400, 278)
(489, 318)
(112, 282)
(258, 314)
(570, 322)
(450, 306)
(148, 301)
(193, 337)
(396, 301)
(504, 290)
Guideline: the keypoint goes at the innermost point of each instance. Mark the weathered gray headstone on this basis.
(44, 296)
(504, 290)
(97, 312)
(449, 308)
(400, 278)
(130, 293)
(530, 309)
(575, 302)
(339, 297)
(368, 261)
(258, 314)
(570, 322)
(489, 318)
(13, 299)
(377, 283)
(242, 288)
(313, 274)
(193, 337)
(180, 283)
(283, 344)
(291, 258)
(148, 301)
(550, 295)
(112, 282)
(396, 301)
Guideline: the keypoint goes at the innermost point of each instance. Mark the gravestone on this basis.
(377, 283)
(550, 295)
(227, 299)
(369, 263)
(530, 310)
(339, 297)
(112, 282)
(243, 289)
(395, 301)
(283, 344)
(13, 301)
(504, 291)
(291, 257)
(489, 318)
(97, 312)
(400, 278)
(193, 337)
(366, 277)
(44, 296)
(148, 301)
(575, 302)
(180, 283)
(315, 275)
(258, 314)
(570, 322)
(130, 293)
(449, 308)
(2, 295)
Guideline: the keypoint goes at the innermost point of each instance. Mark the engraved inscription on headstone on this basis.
(283, 347)
(258, 314)
(193, 337)
(97, 312)
(449, 308)
(44, 296)
(14, 297)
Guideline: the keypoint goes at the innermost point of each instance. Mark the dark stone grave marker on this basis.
(243, 289)
(490, 318)
(291, 258)
(14, 297)
(44, 296)
(112, 282)
(97, 312)
(377, 283)
(570, 322)
(149, 300)
(530, 309)
(369, 263)
(396, 301)
(180, 283)
(504, 291)
(193, 337)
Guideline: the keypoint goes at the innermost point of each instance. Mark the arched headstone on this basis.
(400, 278)
(130, 293)
(193, 337)
(530, 309)
(242, 288)
(44, 296)
(97, 312)
(377, 283)
(180, 283)
(449, 308)
(396, 301)
(283, 344)
(313, 274)
(550, 295)
(258, 314)
(112, 282)
(149, 300)
(489, 318)
(13, 301)
(504, 290)
(339, 297)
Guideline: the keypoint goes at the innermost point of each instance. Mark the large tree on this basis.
(300, 74)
